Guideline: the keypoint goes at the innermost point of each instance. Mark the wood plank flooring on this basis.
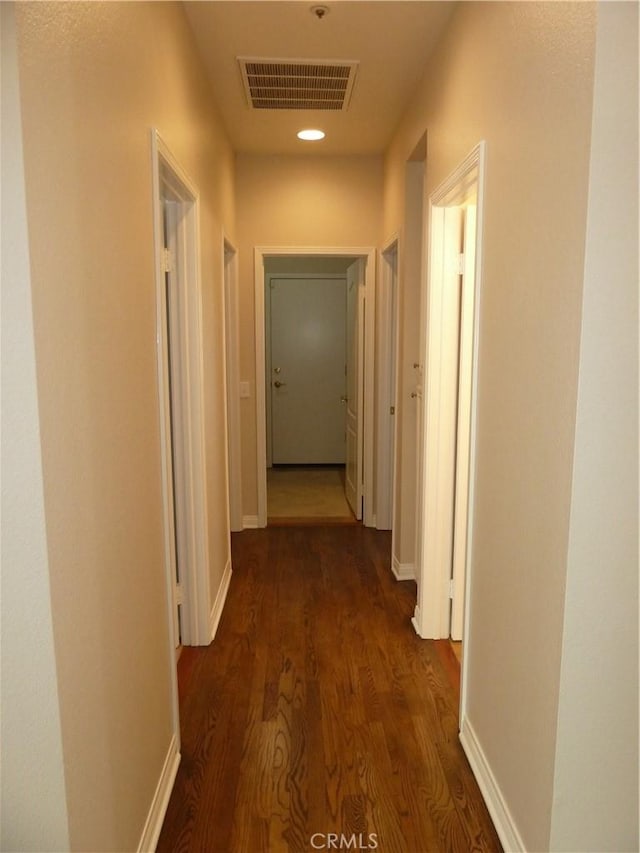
(318, 710)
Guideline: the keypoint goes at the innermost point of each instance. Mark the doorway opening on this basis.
(409, 367)
(306, 332)
(388, 309)
(313, 388)
(232, 380)
(449, 322)
(181, 403)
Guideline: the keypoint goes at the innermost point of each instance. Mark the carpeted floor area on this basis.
(307, 491)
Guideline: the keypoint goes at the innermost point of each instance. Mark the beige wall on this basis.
(596, 776)
(520, 76)
(30, 734)
(305, 201)
(94, 79)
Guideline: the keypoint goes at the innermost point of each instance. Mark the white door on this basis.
(437, 421)
(308, 357)
(463, 439)
(355, 385)
(386, 380)
(231, 337)
(175, 458)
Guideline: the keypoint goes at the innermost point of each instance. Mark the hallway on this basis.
(312, 705)
(317, 710)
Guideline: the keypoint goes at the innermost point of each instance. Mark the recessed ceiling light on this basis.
(311, 135)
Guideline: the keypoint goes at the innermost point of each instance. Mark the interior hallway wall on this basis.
(294, 201)
(520, 76)
(30, 733)
(95, 78)
(596, 777)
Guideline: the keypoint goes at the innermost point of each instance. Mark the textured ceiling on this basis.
(391, 41)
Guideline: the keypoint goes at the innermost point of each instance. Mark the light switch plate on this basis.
(244, 391)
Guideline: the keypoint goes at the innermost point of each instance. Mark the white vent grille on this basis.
(297, 84)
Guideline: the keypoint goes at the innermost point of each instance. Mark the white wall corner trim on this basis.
(403, 571)
(155, 818)
(250, 522)
(416, 621)
(218, 604)
(490, 790)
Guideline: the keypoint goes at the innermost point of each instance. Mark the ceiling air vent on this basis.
(297, 84)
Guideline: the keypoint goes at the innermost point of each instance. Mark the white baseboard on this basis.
(249, 522)
(490, 790)
(403, 571)
(416, 621)
(155, 818)
(218, 604)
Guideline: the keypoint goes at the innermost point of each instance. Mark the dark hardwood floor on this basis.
(318, 710)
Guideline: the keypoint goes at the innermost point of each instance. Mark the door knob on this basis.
(279, 384)
(344, 399)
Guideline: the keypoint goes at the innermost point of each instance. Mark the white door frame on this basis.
(387, 358)
(232, 381)
(260, 254)
(431, 619)
(170, 182)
